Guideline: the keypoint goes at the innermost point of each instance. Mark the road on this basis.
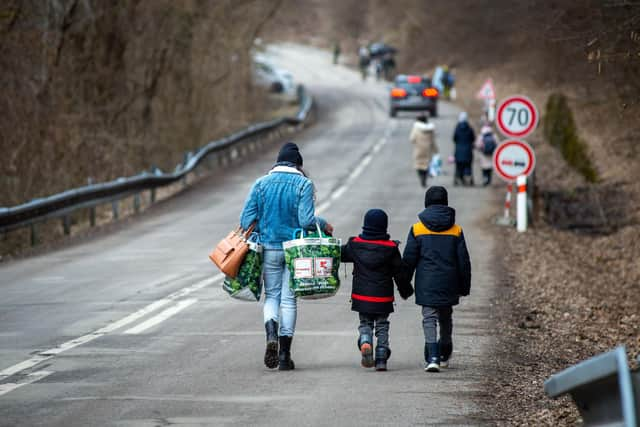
(132, 328)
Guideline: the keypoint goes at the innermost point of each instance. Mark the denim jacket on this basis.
(280, 202)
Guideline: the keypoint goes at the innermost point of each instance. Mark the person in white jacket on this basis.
(423, 138)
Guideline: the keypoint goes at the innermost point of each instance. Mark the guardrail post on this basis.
(34, 235)
(136, 203)
(92, 216)
(152, 195)
(114, 209)
(66, 225)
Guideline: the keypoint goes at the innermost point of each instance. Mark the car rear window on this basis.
(413, 86)
(421, 85)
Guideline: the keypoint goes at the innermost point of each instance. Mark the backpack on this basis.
(488, 144)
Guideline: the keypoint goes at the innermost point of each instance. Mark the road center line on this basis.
(162, 316)
(357, 171)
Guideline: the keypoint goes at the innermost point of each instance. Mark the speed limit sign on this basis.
(517, 117)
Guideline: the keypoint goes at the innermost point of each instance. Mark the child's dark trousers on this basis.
(370, 322)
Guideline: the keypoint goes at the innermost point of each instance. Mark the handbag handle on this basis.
(245, 234)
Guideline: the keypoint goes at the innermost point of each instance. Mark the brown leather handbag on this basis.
(229, 254)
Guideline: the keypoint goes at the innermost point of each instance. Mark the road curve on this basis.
(132, 328)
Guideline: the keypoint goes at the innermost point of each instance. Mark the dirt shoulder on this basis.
(564, 296)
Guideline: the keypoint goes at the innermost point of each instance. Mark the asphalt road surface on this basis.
(132, 328)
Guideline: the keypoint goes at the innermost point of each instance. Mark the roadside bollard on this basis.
(507, 202)
(521, 204)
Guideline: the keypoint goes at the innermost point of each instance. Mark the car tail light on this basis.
(430, 92)
(397, 92)
(414, 79)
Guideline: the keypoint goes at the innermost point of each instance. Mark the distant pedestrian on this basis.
(279, 203)
(364, 60)
(447, 82)
(376, 265)
(464, 138)
(336, 52)
(486, 144)
(437, 252)
(423, 139)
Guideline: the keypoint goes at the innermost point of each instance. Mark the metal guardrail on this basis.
(62, 204)
(603, 388)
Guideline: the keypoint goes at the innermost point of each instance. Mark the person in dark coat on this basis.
(376, 265)
(464, 138)
(437, 252)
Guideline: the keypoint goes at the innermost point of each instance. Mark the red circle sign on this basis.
(517, 116)
(513, 158)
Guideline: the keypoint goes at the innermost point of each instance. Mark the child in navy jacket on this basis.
(437, 252)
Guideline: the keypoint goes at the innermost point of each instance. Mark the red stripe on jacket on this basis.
(375, 242)
(372, 299)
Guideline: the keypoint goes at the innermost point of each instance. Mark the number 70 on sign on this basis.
(517, 116)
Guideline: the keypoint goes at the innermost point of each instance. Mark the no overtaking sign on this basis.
(513, 158)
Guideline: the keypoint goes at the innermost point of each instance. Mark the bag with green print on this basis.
(247, 285)
(313, 260)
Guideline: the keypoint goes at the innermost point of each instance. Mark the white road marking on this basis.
(161, 317)
(27, 364)
(28, 379)
(48, 354)
(366, 160)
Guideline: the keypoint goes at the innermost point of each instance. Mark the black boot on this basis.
(382, 355)
(422, 176)
(284, 355)
(271, 352)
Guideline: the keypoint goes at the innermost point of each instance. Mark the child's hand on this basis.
(405, 294)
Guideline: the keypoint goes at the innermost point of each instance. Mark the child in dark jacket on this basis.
(376, 264)
(437, 252)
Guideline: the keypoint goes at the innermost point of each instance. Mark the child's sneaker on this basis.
(431, 357)
(445, 354)
(366, 350)
(431, 366)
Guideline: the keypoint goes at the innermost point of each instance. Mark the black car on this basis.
(413, 93)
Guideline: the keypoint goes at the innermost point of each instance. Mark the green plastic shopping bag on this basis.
(247, 285)
(313, 259)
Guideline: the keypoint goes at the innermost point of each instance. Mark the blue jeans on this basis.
(278, 295)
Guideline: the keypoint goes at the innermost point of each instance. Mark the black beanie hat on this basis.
(290, 153)
(375, 225)
(436, 195)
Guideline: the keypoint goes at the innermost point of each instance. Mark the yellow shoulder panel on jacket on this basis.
(419, 229)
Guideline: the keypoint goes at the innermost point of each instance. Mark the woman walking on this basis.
(423, 139)
(280, 202)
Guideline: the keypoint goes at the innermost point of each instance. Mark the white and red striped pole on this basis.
(507, 201)
(521, 204)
